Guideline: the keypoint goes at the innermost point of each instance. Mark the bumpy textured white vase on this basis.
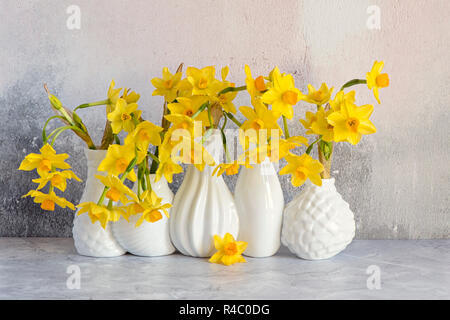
(318, 223)
(260, 203)
(90, 238)
(149, 239)
(203, 207)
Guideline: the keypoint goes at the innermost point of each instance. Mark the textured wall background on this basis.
(396, 181)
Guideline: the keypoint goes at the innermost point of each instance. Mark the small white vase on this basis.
(260, 203)
(203, 207)
(318, 223)
(150, 239)
(91, 239)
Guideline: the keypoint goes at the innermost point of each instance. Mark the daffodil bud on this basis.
(54, 101)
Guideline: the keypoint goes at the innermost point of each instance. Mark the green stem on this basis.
(352, 83)
(308, 151)
(232, 118)
(202, 107)
(61, 130)
(44, 134)
(285, 126)
(92, 104)
(154, 158)
(155, 161)
(232, 89)
(116, 138)
(210, 118)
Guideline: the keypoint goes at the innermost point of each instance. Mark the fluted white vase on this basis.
(150, 238)
(260, 203)
(203, 207)
(91, 239)
(318, 223)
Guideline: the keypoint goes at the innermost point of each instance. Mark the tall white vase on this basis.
(260, 203)
(150, 238)
(203, 207)
(90, 238)
(318, 223)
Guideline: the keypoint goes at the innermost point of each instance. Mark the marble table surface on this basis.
(37, 268)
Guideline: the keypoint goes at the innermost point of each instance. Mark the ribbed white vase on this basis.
(260, 203)
(318, 223)
(150, 238)
(90, 238)
(203, 207)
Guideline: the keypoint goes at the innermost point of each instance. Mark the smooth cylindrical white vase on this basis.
(318, 223)
(203, 207)
(91, 239)
(260, 203)
(150, 238)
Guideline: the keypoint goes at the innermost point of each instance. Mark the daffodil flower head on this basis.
(203, 81)
(151, 206)
(117, 191)
(100, 213)
(167, 86)
(229, 251)
(124, 115)
(144, 134)
(340, 98)
(117, 159)
(113, 96)
(255, 87)
(57, 179)
(351, 122)
(44, 162)
(283, 94)
(376, 79)
(228, 168)
(49, 200)
(318, 97)
(302, 168)
(189, 106)
(321, 126)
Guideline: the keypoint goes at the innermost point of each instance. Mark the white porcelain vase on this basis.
(91, 239)
(260, 203)
(318, 223)
(203, 207)
(150, 238)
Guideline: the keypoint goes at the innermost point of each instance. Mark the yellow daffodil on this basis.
(282, 95)
(150, 205)
(117, 190)
(376, 79)
(58, 179)
(167, 168)
(130, 97)
(48, 201)
(189, 106)
(117, 160)
(167, 86)
(255, 87)
(321, 126)
(203, 81)
(123, 116)
(44, 162)
(192, 152)
(340, 98)
(229, 251)
(229, 168)
(144, 134)
(113, 96)
(100, 213)
(307, 123)
(301, 168)
(184, 88)
(351, 122)
(285, 145)
(320, 96)
(258, 118)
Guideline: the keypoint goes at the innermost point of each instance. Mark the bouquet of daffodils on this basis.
(193, 107)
